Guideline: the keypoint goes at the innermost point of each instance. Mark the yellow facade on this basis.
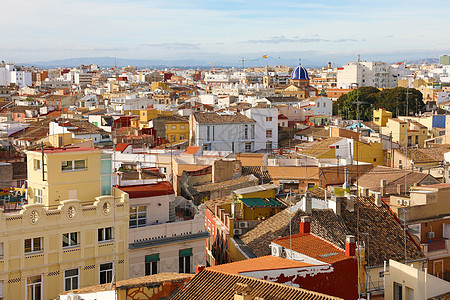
(177, 131)
(63, 243)
(381, 116)
(405, 132)
(146, 115)
(60, 175)
(160, 85)
(370, 153)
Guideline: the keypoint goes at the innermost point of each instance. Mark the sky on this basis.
(225, 31)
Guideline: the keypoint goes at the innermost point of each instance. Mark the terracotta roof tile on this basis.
(209, 284)
(312, 246)
(263, 263)
(211, 118)
(223, 184)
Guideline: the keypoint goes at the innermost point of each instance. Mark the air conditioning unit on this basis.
(243, 224)
(237, 231)
(406, 202)
(399, 202)
(430, 235)
(277, 250)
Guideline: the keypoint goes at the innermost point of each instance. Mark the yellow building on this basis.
(68, 236)
(160, 85)
(405, 132)
(337, 147)
(146, 115)
(176, 127)
(381, 116)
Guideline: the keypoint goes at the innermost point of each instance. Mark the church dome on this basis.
(299, 73)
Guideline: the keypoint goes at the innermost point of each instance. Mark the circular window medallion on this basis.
(71, 212)
(106, 208)
(34, 217)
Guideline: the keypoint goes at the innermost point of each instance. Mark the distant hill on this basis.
(110, 62)
(423, 61)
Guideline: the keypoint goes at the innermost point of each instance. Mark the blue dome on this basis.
(299, 73)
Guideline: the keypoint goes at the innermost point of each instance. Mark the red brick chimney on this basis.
(305, 224)
(350, 246)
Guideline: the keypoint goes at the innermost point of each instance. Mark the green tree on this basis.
(371, 98)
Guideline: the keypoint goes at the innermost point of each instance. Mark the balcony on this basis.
(436, 248)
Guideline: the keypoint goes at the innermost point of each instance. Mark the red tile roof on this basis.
(148, 190)
(67, 149)
(312, 246)
(122, 146)
(191, 150)
(263, 263)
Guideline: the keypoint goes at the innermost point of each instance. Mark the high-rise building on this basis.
(444, 60)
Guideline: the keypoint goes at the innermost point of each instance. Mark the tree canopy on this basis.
(370, 98)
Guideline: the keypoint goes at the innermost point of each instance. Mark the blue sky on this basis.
(224, 31)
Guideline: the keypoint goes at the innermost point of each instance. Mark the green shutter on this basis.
(185, 252)
(150, 258)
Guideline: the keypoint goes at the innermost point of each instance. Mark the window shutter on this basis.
(185, 252)
(151, 258)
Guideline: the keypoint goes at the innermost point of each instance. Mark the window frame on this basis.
(138, 217)
(34, 285)
(102, 232)
(71, 277)
(38, 195)
(37, 164)
(183, 262)
(32, 242)
(100, 271)
(269, 133)
(73, 167)
(69, 238)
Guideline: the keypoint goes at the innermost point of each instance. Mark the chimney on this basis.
(307, 205)
(305, 224)
(335, 204)
(382, 187)
(378, 201)
(350, 246)
(242, 291)
(199, 268)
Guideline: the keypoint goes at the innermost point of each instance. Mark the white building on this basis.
(166, 233)
(322, 106)
(376, 74)
(266, 129)
(9, 75)
(222, 132)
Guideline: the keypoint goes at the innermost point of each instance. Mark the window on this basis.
(106, 272)
(174, 126)
(38, 196)
(34, 287)
(173, 138)
(105, 234)
(151, 264)
(185, 260)
(324, 104)
(248, 147)
(1, 250)
(268, 119)
(1, 290)
(269, 145)
(70, 239)
(138, 216)
(73, 165)
(182, 137)
(269, 133)
(181, 126)
(318, 104)
(245, 132)
(71, 279)
(37, 165)
(33, 245)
